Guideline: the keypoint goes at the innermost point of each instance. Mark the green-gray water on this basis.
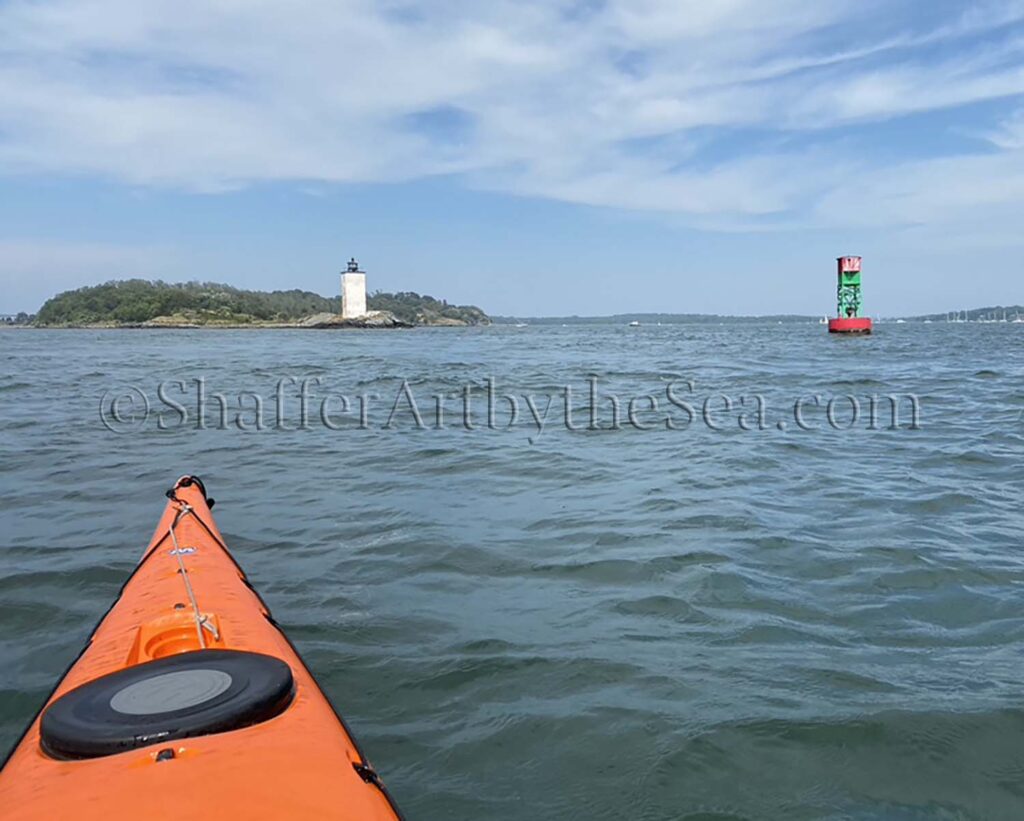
(602, 624)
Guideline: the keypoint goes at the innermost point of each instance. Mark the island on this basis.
(139, 303)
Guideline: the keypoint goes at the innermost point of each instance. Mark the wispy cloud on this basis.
(720, 113)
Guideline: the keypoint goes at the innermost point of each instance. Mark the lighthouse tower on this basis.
(353, 291)
(848, 318)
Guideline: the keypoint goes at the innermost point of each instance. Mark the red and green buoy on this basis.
(848, 300)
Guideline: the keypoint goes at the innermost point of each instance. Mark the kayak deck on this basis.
(186, 595)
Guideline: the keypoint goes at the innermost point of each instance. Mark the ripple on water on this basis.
(600, 624)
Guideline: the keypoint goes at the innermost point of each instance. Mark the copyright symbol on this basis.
(124, 409)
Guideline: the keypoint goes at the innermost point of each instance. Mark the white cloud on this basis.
(627, 103)
(1009, 136)
(981, 194)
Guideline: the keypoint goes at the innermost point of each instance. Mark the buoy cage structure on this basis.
(848, 319)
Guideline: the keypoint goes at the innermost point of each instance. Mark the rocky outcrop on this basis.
(446, 321)
(373, 319)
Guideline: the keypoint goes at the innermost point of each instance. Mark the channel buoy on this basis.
(848, 300)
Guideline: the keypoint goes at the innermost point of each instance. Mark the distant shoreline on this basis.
(324, 321)
(988, 314)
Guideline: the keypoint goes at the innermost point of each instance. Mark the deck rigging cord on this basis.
(201, 621)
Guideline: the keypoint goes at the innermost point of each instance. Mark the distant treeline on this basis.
(993, 313)
(139, 300)
(647, 319)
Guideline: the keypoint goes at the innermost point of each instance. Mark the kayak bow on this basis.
(189, 702)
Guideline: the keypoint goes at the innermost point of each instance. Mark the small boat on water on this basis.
(189, 702)
(634, 324)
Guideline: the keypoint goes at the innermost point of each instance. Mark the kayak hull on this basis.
(301, 763)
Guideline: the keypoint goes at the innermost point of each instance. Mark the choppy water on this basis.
(602, 624)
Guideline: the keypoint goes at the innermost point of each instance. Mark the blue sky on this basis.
(529, 157)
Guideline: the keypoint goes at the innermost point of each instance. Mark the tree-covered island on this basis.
(140, 302)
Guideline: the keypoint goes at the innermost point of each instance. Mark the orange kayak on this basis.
(189, 702)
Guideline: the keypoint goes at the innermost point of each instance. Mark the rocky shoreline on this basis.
(372, 319)
(323, 321)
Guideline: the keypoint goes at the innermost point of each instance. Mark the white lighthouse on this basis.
(353, 291)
